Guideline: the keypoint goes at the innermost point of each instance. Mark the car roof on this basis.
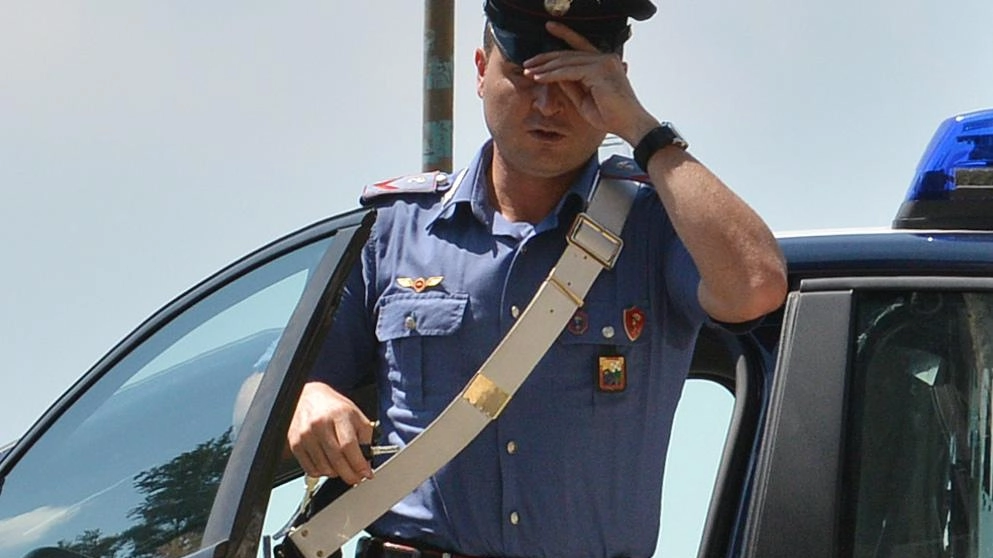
(888, 252)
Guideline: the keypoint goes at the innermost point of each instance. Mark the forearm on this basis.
(741, 267)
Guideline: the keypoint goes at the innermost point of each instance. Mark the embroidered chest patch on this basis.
(612, 374)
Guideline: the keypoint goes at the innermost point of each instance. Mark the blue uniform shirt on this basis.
(569, 469)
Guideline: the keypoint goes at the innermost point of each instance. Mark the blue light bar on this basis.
(953, 186)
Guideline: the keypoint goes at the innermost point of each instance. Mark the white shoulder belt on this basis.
(594, 244)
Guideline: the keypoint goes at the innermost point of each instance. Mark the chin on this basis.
(546, 160)
(554, 162)
(543, 167)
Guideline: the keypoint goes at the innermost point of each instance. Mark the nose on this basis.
(548, 98)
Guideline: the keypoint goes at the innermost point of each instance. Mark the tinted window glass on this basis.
(132, 467)
(919, 480)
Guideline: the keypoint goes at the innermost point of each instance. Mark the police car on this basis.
(861, 423)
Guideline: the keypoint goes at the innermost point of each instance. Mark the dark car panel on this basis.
(793, 507)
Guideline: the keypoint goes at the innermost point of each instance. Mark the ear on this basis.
(480, 61)
(625, 64)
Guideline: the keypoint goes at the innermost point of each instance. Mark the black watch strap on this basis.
(661, 136)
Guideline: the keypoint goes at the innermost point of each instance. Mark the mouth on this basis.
(546, 134)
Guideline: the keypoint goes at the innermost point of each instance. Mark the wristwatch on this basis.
(660, 137)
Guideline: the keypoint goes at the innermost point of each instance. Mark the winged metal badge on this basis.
(419, 284)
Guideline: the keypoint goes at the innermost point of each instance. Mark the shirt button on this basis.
(608, 332)
(514, 518)
(511, 447)
(515, 311)
(410, 323)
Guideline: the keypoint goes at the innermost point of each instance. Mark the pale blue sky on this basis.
(143, 145)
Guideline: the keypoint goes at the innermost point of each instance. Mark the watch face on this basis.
(676, 137)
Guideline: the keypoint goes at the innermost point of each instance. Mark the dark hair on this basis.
(488, 41)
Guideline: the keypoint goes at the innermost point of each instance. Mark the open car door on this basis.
(168, 447)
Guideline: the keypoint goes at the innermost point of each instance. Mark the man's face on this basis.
(536, 129)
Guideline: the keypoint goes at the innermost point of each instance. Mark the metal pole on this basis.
(439, 47)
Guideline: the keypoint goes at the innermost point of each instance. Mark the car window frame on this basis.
(787, 464)
(745, 377)
(230, 516)
(244, 491)
(797, 503)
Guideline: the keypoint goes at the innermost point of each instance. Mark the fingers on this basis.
(325, 435)
(347, 459)
(577, 42)
(571, 38)
(575, 93)
(594, 82)
(559, 66)
(582, 64)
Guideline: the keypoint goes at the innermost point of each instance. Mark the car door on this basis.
(169, 446)
(877, 438)
(738, 366)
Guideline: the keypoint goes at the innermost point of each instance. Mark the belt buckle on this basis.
(403, 551)
(595, 240)
(399, 550)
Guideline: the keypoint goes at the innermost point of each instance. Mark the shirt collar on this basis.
(575, 199)
(469, 192)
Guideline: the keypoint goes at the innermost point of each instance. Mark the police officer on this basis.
(573, 466)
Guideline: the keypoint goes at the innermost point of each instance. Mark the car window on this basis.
(131, 469)
(695, 451)
(268, 310)
(918, 480)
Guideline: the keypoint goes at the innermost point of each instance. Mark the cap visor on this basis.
(518, 46)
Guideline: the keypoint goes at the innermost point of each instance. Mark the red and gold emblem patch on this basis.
(634, 322)
(613, 374)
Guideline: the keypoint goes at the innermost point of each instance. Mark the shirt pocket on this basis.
(607, 344)
(408, 322)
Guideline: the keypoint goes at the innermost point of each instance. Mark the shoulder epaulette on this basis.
(424, 183)
(623, 168)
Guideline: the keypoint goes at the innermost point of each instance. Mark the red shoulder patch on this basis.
(424, 183)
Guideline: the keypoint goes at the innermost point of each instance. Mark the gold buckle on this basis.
(486, 396)
(599, 243)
